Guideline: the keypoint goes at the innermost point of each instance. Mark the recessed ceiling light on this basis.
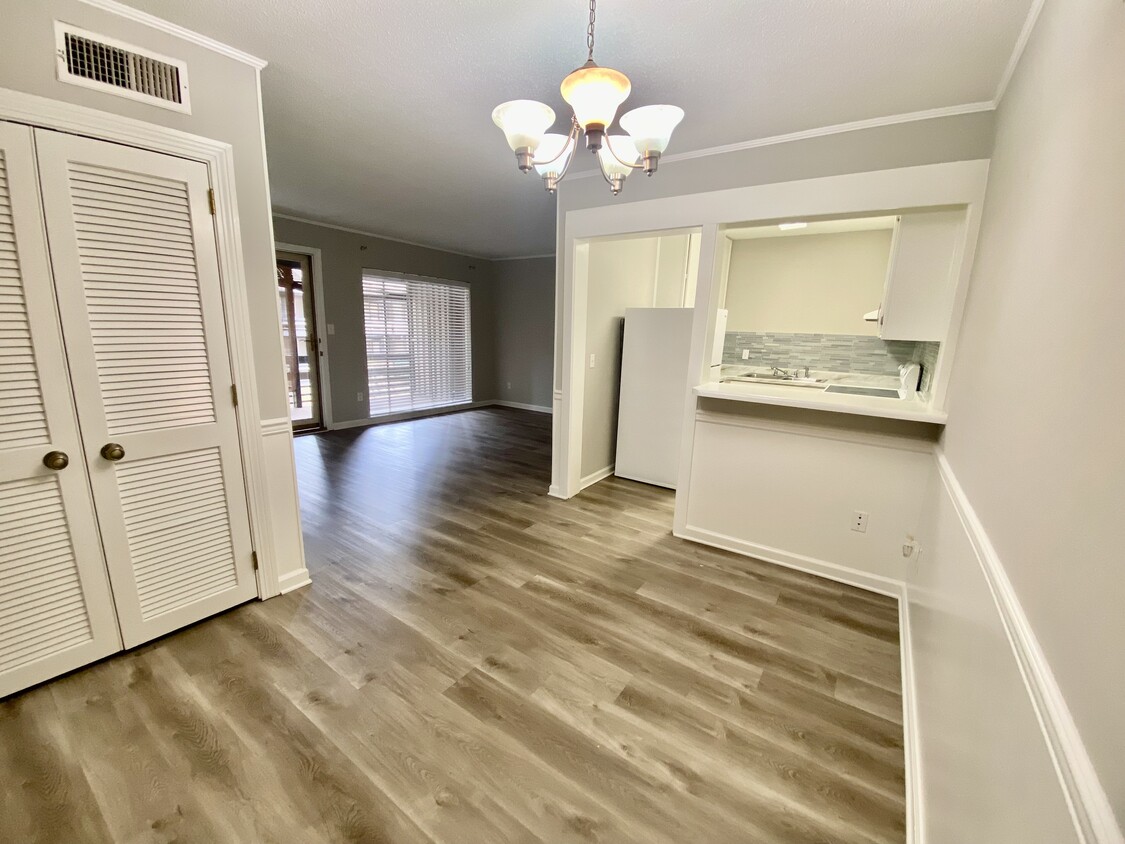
(787, 226)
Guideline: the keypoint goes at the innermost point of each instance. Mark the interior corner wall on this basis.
(225, 107)
(1034, 440)
(344, 257)
(622, 275)
(525, 329)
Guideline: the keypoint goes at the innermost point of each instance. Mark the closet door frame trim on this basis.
(44, 113)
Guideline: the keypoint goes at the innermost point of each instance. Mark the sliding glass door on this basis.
(297, 309)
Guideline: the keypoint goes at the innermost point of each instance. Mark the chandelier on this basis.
(595, 93)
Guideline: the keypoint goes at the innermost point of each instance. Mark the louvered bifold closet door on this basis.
(134, 253)
(56, 612)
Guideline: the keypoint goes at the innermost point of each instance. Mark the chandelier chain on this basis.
(590, 30)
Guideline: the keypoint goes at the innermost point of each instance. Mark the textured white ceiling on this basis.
(378, 114)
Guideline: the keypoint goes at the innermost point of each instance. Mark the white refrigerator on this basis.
(654, 388)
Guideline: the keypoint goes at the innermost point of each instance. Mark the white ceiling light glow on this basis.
(595, 93)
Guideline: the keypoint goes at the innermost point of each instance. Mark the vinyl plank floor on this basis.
(478, 662)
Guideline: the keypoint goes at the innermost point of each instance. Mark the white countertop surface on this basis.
(816, 399)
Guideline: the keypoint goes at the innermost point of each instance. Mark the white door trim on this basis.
(321, 326)
(45, 113)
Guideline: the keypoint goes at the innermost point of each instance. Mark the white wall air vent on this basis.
(104, 64)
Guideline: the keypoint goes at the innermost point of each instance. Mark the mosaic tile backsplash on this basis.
(832, 352)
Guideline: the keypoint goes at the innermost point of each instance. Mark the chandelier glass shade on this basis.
(594, 93)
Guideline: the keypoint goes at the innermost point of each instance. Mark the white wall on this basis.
(671, 271)
(807, 284)
(987, 774)
(1035, 440)
(782, 484)
(622, 274)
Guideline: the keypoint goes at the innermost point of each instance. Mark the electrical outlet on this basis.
(591, 361)
(331, 328)
(509, 385)
(859, 521)
(746, 354)
(359, 396)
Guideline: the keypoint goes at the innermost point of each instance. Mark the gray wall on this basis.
(1038, 449)
(345, 256)
(524, 320)
(224, 100)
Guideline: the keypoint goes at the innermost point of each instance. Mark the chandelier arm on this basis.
(569, 143)
(609, 146)
(566, 166)
(601, 168)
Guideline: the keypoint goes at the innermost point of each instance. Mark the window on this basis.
(418, 353)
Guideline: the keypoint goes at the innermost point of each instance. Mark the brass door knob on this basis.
(113, 451)
(56, 460)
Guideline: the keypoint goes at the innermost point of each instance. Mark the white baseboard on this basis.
(1090, 808)
(294, 580)
(436, 411)
(911, 740)
(594, 477)
(538, 408)
(809, 565)
(554, 491)
(413, 414)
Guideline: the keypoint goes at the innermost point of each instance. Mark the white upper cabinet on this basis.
(918, 295)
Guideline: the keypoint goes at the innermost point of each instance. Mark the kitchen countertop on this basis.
(784, 395)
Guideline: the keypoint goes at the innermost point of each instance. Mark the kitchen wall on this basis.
(345, 255)
(807, 284)
(954, 138)
(622, 274)
(1036, 462)
(524, 321)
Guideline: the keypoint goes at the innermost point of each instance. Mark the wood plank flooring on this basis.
(477, 662)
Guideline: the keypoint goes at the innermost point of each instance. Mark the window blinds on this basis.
(418, 343)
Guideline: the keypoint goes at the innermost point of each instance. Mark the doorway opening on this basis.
(302, 344)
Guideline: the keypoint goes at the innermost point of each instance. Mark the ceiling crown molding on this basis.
(1017, 51)
(123, 11)
(306, 220)
(806, 134)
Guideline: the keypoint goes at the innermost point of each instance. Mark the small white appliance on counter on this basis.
(911, 374)
(654, 388)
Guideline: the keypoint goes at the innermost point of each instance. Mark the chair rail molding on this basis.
(1089, 805)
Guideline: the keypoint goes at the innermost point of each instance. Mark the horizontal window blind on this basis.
(418, 343)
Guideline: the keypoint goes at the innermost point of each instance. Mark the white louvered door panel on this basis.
(133, 248)
(56, 612)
